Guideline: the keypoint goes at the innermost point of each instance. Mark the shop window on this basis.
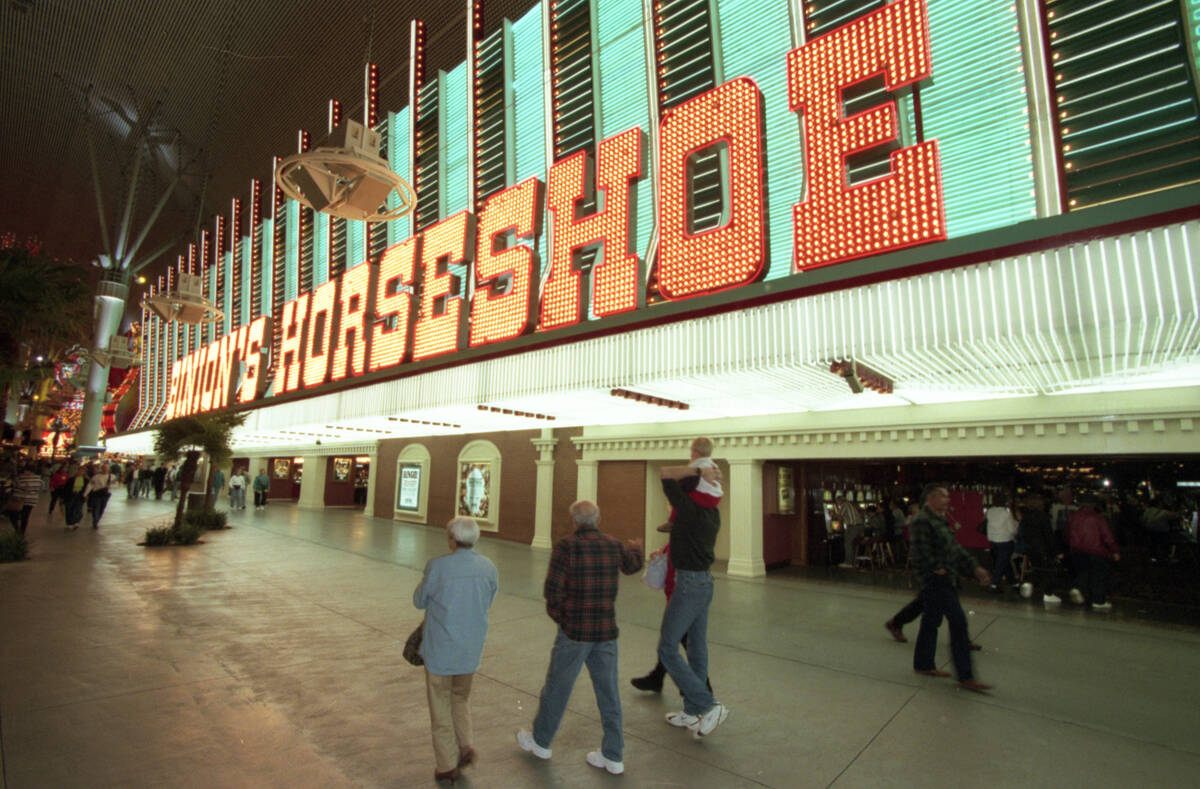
(279, 233)
(573, 88)
(683, 36)
(493, 103)
(477, 484)
(377, 231)
(337, 246)
(427, 187)
(411, 498)
(1128, 119)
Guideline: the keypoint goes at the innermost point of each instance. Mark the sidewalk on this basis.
(270, 657)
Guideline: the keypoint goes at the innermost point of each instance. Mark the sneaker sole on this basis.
(699, 733)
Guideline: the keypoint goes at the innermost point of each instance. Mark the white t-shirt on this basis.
(238, 480)
(1001, 525)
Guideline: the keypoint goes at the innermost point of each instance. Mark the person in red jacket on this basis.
(1092, 549)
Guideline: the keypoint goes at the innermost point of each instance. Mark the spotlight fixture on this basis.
(346, 177)
(186, 303)
(859, 377)
(649, 399)
(510, 412)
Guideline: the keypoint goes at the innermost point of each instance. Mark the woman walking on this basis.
(97, 493)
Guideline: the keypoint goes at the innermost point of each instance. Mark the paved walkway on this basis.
(270, 657)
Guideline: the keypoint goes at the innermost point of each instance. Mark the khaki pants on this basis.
(449, 717)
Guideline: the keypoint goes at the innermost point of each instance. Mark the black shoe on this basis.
(651, 682)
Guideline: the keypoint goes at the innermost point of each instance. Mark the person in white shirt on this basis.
(237, 490)
(1002, 536)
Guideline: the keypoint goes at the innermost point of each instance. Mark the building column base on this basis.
(746, 568)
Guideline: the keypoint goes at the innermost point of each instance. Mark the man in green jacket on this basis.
(938, 561)
(262, 484)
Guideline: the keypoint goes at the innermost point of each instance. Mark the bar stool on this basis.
(1020, 565)
(862, 553)
(882, 551)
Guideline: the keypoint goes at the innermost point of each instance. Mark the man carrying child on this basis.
(694, 525)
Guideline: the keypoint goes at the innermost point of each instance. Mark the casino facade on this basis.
(853, 242)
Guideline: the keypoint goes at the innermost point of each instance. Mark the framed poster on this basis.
(408, 490)
(282, 468)
(474, 489)
(341, 469)
(787, 491)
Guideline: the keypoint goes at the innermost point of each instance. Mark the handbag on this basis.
(412, 647)
(655, 575)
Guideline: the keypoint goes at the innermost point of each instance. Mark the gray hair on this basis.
(585, 513)
(465, 531)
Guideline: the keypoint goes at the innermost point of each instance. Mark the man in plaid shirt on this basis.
(581, 586)
(938, 560)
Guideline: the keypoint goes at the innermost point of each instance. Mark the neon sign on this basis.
(416, 304)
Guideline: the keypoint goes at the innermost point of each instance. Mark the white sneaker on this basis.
(1026, 590)
(1101, 606)
(712, 719)
(1051, 598)
(525, 740)
(1076, 597)
(597, 759)
(683, 720)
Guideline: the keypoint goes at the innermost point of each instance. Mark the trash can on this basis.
(195, 501)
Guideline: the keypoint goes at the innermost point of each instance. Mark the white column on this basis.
(372, 478)
(746, 519)
(543, 517)
(585, 481)
(312, 484)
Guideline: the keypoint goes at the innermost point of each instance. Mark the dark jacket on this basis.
(1036, 532)
(934, 548)
(694, 530)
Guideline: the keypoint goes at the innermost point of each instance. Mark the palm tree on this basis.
(191, 437)
(47, 309)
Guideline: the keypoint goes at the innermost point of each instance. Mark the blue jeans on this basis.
(566, 660)
(237, 498)
(687, 614)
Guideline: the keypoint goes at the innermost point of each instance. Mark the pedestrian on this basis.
(145, 481)
(159, 480)
(1001, 535)
(262, 484)
(938, 560)
(57, 480)
(217, 481)
(456, 592)
(693, 539)
(97, 494)
(130, 480)
(73, 496)
(853, 524)
(580, 591)
(1092, 549)
(26, 489)
(705, 494)
(1038, 537)
(173, 481)
(237, 489)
